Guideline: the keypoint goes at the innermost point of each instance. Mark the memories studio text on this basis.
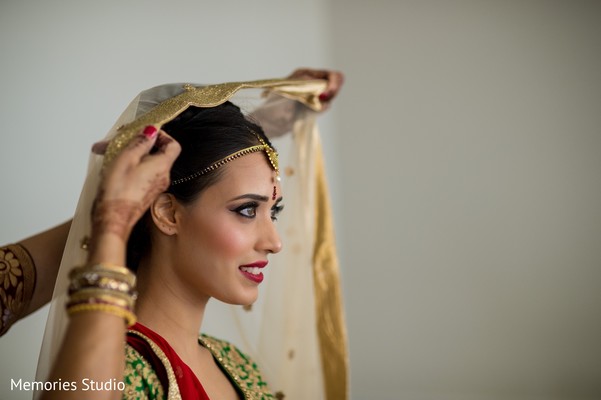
(84, 385)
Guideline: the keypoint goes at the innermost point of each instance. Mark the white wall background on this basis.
(464, 154)
(470, 153)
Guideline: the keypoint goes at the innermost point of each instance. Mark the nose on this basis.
(269, 240)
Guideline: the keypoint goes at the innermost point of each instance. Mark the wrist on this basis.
(107, 247)
(116, 217)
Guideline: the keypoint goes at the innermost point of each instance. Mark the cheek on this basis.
(223, 237)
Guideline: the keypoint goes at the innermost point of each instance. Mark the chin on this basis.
(243, 298)
(249, 300)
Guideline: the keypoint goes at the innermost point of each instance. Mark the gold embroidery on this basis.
(305, 91)
(141, 381)
(173, 393)
(243, 372)
(17, 281)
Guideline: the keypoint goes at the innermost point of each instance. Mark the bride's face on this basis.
(225, 236)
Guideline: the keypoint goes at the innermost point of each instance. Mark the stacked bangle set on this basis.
(103, 287)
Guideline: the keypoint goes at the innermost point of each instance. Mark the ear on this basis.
(163, 211)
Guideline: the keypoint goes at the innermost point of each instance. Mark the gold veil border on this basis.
(304, 91)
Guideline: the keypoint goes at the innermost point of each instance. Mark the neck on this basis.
(168, 309)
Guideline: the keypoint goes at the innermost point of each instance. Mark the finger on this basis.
(308, 73)
(335, 81)
(99, 148)
(329, 76)
(167, 150)
(167, 146)
(135, 151)
(298, 73)
(140, 145)
(158, 164)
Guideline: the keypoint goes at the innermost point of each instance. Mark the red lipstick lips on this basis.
(253, 271)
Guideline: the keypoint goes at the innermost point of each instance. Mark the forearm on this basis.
(93, 349)
(102, 293)
(46, 250)
(28, 270)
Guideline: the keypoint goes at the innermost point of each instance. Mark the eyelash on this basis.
(275, 210)
(246, 206)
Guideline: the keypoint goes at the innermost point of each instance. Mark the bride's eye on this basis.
(247, 210)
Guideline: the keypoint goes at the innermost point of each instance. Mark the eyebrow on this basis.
(256, 197)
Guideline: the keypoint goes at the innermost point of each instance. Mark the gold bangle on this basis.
(88, 278)
(111, 267)
(124, 272)
(98, 292)
(128, 316)
(72, 304)
(100, 282)
(106, 299)
(105, 269)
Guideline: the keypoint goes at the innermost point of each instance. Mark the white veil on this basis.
(296, 328)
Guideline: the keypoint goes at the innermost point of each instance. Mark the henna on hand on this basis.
(130, 185)
(115, 216)
(118, 216)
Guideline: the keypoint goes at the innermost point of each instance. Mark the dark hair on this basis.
(206, 135)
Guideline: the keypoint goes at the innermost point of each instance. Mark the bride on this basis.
(187, 199)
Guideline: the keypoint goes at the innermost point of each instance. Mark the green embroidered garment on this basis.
(154, 371)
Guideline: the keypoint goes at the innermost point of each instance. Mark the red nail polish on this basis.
(324, 96)
(150, 131)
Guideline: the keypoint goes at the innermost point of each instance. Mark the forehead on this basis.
(248, 174)
(250, 167)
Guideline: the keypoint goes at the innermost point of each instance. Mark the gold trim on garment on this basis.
(173, 391)
(212, 96)
(242, 371)
(140, 378)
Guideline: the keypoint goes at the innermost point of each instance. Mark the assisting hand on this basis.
(132, 181)
(335, 81)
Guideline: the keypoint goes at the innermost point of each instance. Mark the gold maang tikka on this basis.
(270, 152)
